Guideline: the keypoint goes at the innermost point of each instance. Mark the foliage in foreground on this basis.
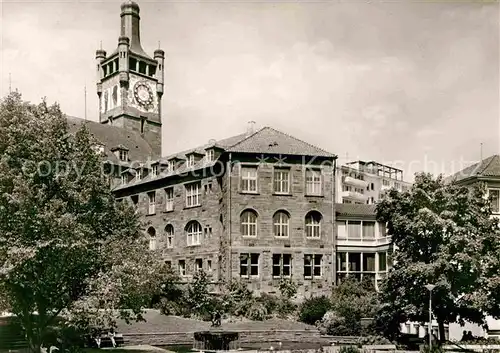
(68, 251)
(313, 309)
(350, 302)
(444, 235)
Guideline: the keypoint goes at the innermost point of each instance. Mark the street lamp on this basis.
(430, 287)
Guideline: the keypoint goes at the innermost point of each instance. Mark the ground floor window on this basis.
(282, 265)
(249, 265)
(362, 266)
(312, 265)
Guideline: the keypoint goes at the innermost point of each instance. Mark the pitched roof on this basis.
(489, 167)
(114, 136)
(352, 209)
(269, 140)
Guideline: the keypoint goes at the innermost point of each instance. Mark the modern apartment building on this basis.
(361, 182)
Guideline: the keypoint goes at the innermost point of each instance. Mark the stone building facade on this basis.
(256, 207)
(259, 206)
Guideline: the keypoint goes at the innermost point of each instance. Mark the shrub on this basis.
(257, 311)
(270, 302)
(313, 309)
(348, 349)
(286, 308)
(238, 298)
(288, 288)
(373, 340)
(336, 325)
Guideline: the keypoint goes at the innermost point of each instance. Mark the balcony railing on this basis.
(354, 195)
(355, 182)
(350, 241)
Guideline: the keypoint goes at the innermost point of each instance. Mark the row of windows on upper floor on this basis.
(353, 264)
(134, 65)
(249, 227)
(248, 184)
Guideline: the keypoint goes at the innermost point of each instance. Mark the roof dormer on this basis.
(193, 158)
(174, 163)
(213, 152)
(121, 152)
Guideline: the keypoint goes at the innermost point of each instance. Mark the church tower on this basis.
(130, 82)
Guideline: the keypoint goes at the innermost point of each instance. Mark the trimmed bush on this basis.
(349, 349)
(313, 309)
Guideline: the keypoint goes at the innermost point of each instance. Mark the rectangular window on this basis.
(313, 182)
(354, 261)
(210, 155)
(190, 161)
(382, 261)
(281, 181)
(249, 265)
(249, 179)
(152, 202)
(123, 155)
(354, 230)
(368, 230)
(198, 265)
(139, 174)
(209, 265)
(182, 268)
(385, 182)
(154, 171)
(495, 200)
(169, 199)
(282, 265)
(369, 262)
(124, 178)
(341, 261)
(312, 266)
(193, 194)
(341, 229)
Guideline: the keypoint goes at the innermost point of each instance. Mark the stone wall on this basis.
(186, 338)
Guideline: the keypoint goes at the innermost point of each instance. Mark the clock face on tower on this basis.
(143, 94)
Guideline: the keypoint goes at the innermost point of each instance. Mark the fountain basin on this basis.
(216, 340)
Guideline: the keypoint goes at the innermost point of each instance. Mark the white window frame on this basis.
(193, 194)
(194, 233)
(124, 178)
(282, 224)
(249, 265)
(151, 202)
(247, 225)
(182, 268)
(169, 235)
(123, 155)
(249, 177)
(497, 211)
(210, 155)
(314, 185)
(281, 264)
(190, 161)
(198, 265)
(139, 173)
(169, 199)
(281, 180)
(313, 265)
(313, 228)
(154, 170)
(152, 239)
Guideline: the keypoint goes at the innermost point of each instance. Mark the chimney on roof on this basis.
(250, 128)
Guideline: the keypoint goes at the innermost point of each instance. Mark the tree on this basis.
(350, 302)
(67, 247)
(443, 234)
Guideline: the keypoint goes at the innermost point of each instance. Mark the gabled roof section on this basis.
(353, 210)
(269, 140)
(489, 167)
(112, 136)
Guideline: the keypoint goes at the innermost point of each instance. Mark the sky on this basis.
(411, 84)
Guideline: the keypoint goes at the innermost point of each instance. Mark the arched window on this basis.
(193, 232)
(248, 223)
(281, 223)
(169, 233)
(152, 238)
(313, 224)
